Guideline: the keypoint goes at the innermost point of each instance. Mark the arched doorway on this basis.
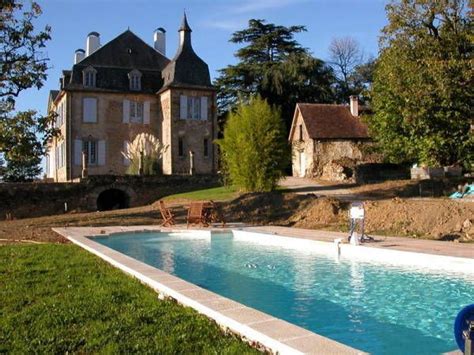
(112, 199)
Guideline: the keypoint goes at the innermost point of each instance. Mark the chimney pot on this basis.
(354, 103)
(159, 39)
(92, 43)
(79, 55)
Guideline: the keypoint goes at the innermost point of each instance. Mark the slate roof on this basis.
(328, 121)
(116, 59)
(186, 68)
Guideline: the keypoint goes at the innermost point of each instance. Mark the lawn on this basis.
(221, 193)
(59, 298)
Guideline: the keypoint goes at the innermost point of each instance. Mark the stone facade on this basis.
(327, 147)
(162, 85)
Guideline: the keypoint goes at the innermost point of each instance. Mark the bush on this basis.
(254, 148)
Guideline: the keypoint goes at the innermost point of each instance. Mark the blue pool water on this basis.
(375, 308)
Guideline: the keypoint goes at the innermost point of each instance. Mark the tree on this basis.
(22, 61)
(23, 136)
(21, 148)
(254, 148)
(422, 91)
(345, 55)
(152, 150)
(275, 66)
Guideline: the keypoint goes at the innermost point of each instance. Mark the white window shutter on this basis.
(126, 111)
(89, 112)
(146, 112)
(183, 107)
(204, 108)
(77, 152)
(101, 153)
(126, 161)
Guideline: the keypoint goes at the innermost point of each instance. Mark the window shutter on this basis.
(89, 112)
(146, 112)
(126, 161)
(204, 108)
(77, 152)
(126, 111)
(183, 107)
(101, 153)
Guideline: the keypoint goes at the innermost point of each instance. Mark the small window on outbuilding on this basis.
(135, 79)
(89, 77)
(301, 132)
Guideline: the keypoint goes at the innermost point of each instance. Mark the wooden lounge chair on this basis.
(196, 214)
(215, 214)
(168, 217)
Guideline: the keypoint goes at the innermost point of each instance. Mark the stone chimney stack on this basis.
(79, 55)
(354, 100)
(159, 39)
(93, 43)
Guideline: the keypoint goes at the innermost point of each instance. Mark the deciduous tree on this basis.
(422, 93)
(23, 135)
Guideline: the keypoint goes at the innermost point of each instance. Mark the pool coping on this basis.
(258, 328)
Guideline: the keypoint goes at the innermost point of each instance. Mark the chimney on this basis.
(79, 55)
(93, 43)
(354, 100)
(159, 39)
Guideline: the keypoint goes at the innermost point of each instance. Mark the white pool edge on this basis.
(252, 325)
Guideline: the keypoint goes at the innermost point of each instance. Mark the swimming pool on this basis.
(374, 307)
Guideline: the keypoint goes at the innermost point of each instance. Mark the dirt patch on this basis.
(265, 208)
(440, 219)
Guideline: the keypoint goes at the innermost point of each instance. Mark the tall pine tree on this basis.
(275, 66)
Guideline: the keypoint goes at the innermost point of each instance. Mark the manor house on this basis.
(127, 87)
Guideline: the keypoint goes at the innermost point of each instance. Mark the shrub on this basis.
(152, 150)
(254, 148)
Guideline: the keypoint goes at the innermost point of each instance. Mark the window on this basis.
(89, 112)
(135, 78)
(136, 112)
(90, 148)
(60, 155)
(89, 77)
(301, 132)
(206, 147)
(194, 107)
(180, 147)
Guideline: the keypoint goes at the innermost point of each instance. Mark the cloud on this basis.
(228, 25)
(260, 5)
(237, 13)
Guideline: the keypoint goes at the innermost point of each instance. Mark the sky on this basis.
(212, 23)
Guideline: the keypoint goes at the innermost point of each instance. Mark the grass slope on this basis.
(59, 298)
(221, 193)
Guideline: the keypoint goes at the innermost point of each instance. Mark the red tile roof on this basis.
(328, 121)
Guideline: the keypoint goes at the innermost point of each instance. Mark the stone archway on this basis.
(112, 199)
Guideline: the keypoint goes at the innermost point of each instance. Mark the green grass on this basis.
(59, 298)
(221, 193)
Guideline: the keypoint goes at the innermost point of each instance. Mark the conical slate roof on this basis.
(186, 68)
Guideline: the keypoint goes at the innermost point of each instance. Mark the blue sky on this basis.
(212, 22)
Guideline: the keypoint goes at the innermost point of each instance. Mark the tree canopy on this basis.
(275, 66)
(23, 135)
(22, 60)
(254, 148)
(422, 92)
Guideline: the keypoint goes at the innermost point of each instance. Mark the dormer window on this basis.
(89, 77)
(135, 78)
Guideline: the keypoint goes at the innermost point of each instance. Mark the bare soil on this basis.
(440, 219)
